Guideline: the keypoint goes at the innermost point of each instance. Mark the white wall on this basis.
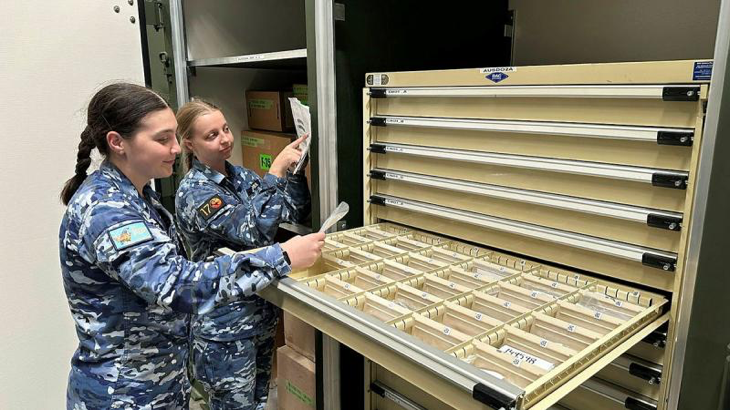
(596, 31)
(53, 56)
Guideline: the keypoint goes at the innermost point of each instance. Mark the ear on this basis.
(115, 142)
(188, 144)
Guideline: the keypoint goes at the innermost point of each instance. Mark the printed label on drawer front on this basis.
(702, 71)
(525, 357)
(393, 176)
(497, 70)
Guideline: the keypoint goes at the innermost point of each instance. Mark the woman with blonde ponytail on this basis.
(222, 205)
(129, 286)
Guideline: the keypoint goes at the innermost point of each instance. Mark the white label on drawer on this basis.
(635, 293)
(554, 285)
(394, 121)
(478, 317)
(534, 295)
(394, 202)
(502, 269)
(393, 176)
(571, 328)
(598, 315)
(391, 305)
(497, 70)
(396, 92)
(521, 356)
(618, 303)
(447, 330)
(452, 285)
(377, 276)
(543, 343)
(347, 286)
(507, 304)
(424, 295)
(394, 149)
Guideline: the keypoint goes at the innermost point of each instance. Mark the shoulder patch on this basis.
(130, 235)
(211, 206)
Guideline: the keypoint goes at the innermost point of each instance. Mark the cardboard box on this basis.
(260, 148)
(299, 336)
(296, 384)
(301, 92)
(269, 110)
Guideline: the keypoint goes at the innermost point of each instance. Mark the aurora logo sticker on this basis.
(496, 77)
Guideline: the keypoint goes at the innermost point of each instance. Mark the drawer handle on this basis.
(652, 217)
(649, 257)
(656, 177)
(665, 93)
(662, 136)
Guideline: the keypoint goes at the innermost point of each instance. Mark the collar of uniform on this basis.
(212, 174)
(125, 184)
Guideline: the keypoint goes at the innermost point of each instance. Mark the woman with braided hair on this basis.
(130, 288)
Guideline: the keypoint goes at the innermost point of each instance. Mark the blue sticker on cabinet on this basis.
(702, 71)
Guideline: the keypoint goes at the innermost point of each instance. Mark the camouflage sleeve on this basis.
(299, 199)
(145, 259)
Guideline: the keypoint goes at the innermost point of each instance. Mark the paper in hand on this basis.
(342, 209)
(303, 125)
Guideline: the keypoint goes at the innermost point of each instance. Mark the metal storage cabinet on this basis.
(575, 185)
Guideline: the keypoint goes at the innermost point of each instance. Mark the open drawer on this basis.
(513, 341)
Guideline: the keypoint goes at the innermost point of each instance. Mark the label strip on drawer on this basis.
(656, 177)
(651, 257)
(689, 92)
(652, 217)
(662, 136)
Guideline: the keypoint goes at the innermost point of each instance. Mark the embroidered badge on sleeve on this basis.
(211, 206)
(129, 235)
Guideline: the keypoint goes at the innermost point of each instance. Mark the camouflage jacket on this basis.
(131, 290)
(241, 211)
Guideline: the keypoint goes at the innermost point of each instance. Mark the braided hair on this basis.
(119, 107)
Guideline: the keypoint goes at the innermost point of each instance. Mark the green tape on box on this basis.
(265, 161)
(261, 104)
(303, 397)
(252, 142)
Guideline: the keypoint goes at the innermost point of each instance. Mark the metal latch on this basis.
(374, 174)
(664, 222)
(377, 200)
(683, 139)
(377, 93)
(667, 180)
(653, 376)
(492, 398)
(673, 93)
(659, 262)
(377, 148)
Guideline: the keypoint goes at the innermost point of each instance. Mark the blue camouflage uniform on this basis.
(131, 292)
(233, 345)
